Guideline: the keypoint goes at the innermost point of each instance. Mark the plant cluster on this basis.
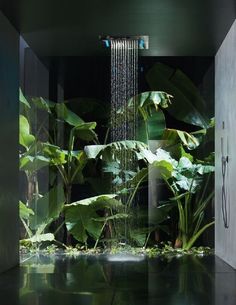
(181, 161)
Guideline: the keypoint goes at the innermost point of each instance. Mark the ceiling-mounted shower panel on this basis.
(143, 40)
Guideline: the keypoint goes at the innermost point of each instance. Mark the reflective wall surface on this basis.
(225, 191)
(119, 280)
(9, 142)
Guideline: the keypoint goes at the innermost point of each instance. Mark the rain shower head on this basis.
(143, 40)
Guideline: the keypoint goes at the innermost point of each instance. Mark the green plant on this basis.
(44, 211)
(83, 220)
(188, 184)
(152, 120)
(187, 105)
(104, 219)
(36, 155)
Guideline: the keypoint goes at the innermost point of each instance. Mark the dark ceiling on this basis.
(72, 27)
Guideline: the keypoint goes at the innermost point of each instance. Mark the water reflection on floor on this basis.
(89, 280)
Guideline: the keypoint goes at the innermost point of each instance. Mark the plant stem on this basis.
(106, 136)
(59, 228)
(95, 246)
(68, 193)
(60, 243)
(197, 235)
(182, 233)
(62, 173)
(147, 239)
(131, 197)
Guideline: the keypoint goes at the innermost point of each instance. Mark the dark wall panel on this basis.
(9, 83)
(225, 93)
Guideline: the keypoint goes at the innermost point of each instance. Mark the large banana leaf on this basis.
(175, 136)
(187, 105)
(144, 100)
(152, 128)
(106, 152)
(150, 118)
(101, 200)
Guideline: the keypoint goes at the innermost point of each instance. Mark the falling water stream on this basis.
(124, 85)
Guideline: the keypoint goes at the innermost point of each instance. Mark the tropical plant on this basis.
(36, 155)
(103, 217)
(188, 184)
(83, 219)
(188, 105)
(42, 213)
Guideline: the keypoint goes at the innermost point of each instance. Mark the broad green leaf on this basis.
(150, 118)
(187, 184)
(127, 145)
(186, 164)
(147, 155)
(150, 98)
(80, 223)
(22, 99)
(165, 168)
(38, 238)
(156, 125)
(112, 217)
(63, 113)
(26, 139)
(163, 155)
(206, 137)
(205, 169)
(79, 161)
(25, 212)
(187, 105)
(177, 151)
(56, 155)
(108, 152)
(152, 128)
(92, 151)
(85, 131)
(80, 216)
(33, 163)
(48, 208)
(92, 200)
(174, 136)
(43, 104)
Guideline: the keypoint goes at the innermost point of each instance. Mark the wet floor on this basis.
(89, 280)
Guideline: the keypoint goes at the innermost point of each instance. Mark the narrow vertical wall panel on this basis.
(9, 135)
(225, 141)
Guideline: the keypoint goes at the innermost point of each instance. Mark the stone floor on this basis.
(119, 280)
